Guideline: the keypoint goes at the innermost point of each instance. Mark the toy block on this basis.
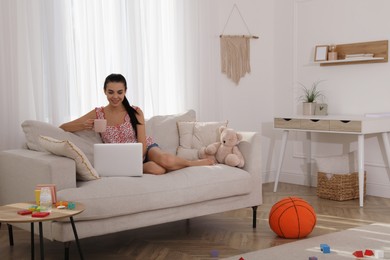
(325, 248)
(368, 252)
(358, 253)
(214, 253)
(379, 254)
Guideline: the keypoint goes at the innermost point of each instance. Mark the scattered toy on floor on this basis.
(292, 217)
(325, 248)
(358, 253)
(214, 253)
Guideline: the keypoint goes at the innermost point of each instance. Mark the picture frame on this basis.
(321, 53)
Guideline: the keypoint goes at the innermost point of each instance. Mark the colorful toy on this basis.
(325, 248)
(71, 205)
(226, 150)
(368, 252)
(358, 253)
(292, 217)
(379, 254)
(33, 208)
(62, 203)
(214, 253)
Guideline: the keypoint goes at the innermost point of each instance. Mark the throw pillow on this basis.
(84, 169)
(163, 129)
(195, 135)
(83, 139)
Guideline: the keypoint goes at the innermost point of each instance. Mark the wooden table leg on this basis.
(10, 235)
(41, 241)
(76, 237)
(32, 241)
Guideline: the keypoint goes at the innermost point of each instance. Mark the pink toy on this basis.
(225, 151)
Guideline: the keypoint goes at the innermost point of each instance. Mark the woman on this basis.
(126, 123)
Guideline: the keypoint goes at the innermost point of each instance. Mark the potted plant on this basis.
(310, 97)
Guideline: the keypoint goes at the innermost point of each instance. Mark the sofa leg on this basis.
(254, 209)
(188, 227)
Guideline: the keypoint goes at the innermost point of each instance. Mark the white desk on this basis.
(337, 124)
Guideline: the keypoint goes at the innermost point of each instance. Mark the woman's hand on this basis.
(88, 124)
(139, 115)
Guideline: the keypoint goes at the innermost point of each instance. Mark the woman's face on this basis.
(115, 92)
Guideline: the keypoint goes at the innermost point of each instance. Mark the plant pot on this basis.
(309, 108)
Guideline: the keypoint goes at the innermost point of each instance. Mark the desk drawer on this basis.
(290, 123)
(345, 126)
(315, 124)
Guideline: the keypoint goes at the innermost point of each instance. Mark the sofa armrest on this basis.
(21, 170)
(250, 148)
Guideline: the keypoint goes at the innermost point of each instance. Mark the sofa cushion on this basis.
(83, 139)
(116, 196)
(164, 131)
(84, 169)
(195, 135)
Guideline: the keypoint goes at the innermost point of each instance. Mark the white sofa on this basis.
(116, 204)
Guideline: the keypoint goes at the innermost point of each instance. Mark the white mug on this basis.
(100, 125)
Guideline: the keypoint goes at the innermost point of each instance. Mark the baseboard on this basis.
(378, 190)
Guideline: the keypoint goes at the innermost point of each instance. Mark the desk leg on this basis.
(41, 241)
(281, 157)
(385, 140)
(361, 168)
(76, 237)
(308, 158)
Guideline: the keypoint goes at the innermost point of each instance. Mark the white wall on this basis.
(350, 89)
(248, 106)
(281, 57)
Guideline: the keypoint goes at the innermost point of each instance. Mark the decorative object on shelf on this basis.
(235, 52)
(321, 109)
(332, 54)
(309, 97)
(359, 56)
(321, 53)
(358, 53)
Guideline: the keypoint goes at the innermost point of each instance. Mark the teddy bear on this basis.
(226, 150)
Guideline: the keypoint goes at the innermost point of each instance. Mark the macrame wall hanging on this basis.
(235, 52)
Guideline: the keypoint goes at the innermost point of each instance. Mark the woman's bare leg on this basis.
(153, 168)
(171, 162)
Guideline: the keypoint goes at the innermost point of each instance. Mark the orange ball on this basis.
(292, 217)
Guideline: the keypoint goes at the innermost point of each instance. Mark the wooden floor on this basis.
(229, 233)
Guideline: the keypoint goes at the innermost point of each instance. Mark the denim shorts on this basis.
(147, 151)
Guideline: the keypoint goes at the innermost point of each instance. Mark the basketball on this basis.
(292, 217)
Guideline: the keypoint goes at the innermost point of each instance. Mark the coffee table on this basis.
(9, 215)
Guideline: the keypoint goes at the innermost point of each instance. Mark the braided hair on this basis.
(130, 110)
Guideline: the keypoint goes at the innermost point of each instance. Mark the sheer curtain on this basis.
(56, 55)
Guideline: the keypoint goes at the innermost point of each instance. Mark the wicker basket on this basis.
(339, 186)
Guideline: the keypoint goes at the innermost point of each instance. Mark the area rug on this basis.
(342, 245)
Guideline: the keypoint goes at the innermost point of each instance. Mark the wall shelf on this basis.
(378, 48)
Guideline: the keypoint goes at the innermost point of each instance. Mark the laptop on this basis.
(118, 159)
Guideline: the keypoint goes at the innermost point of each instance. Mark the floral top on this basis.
(122, 133)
